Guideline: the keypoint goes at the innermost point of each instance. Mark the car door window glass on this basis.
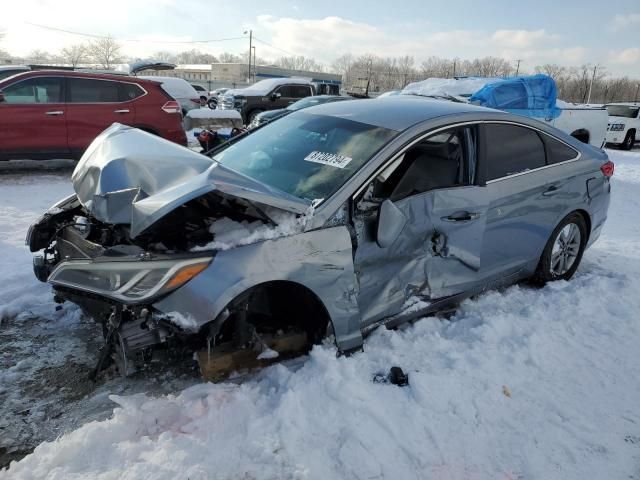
(301, 91)
(35, 90)
(285, 91)
(87, 90)
(557, 151)
(129, 91)
(439, 161)
(512, 149)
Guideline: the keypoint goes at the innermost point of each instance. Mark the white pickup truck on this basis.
(587, 124)
(624, 124)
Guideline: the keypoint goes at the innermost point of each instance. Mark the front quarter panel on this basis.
(320, 260)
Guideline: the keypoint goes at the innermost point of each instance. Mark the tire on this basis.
(565, 255)
(252, 115)
(629, 140)
(212, 104)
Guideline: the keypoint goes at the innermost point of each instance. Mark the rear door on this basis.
(33, 118)
(523, 202)
(93, 105)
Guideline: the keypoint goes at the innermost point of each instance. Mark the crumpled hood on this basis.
(128, 176)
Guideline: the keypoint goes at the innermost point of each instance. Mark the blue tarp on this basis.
(532, 96)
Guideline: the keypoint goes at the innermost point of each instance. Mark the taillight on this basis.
(171, 107)
(607, 168)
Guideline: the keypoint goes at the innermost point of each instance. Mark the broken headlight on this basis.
(130, 282)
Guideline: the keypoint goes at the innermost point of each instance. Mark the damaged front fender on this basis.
(320, 260)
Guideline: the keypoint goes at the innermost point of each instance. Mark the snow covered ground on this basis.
(522, 383)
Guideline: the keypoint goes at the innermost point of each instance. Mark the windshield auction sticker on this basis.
(333, 159)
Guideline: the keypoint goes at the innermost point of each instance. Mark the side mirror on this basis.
(391, 222)
(275, 96)
(1, 96)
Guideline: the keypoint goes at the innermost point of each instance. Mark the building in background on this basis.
(236, 75)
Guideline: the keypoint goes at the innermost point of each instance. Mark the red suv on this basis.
(57, 114)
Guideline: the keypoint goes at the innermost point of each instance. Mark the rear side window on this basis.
(35, 90)
(557, 151)
(87, 90)
(512, 149)
(129, 91)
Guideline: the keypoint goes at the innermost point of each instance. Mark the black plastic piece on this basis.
(395, 376)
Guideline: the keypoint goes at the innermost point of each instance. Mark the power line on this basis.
(90, 35)
(273, 46)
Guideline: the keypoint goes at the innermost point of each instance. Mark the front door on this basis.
(33, 118)
(437, 253)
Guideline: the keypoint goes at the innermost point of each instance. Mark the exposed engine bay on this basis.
(132, 234)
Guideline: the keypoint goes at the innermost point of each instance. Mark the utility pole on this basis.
(591, 83)
(254, 64)
(250, 51)
(636, 97)
(518, 66)
(454, 68)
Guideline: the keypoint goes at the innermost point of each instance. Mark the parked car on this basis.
(179, 89)
(57, 114)
(340, 219)
(202, 92)
(624, 124)
(9, 70)
(270, 94)
(532, 96)
(269, 115)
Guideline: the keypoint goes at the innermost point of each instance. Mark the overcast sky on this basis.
(569, 32)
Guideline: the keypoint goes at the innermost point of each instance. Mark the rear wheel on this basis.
(212, 103)
(629, 140)
(563, 252)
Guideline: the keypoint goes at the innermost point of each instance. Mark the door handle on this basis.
(552, 190)
(461, 217)
(125, 110)
(55, 112)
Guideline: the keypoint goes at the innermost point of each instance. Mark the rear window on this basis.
(129, 91)
(557, 151)
(87, 90)
(511, 149)
(622, 111)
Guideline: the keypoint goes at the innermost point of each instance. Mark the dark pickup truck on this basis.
(270, 94)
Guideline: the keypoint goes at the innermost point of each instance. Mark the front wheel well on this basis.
(278, 305)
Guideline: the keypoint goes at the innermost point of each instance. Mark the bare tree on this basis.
(194, 56)
(226, 57)
(105, 52)
(75, 54)
(299, 62)
(164, 56)
(39, 56)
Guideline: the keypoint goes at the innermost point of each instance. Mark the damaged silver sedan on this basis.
(331, 221)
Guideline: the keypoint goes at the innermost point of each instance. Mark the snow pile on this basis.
(447, 86)
(229, 234)
(523, 383)
(178, 88)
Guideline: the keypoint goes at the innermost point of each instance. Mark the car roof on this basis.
(77, 74)
(396, 112)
